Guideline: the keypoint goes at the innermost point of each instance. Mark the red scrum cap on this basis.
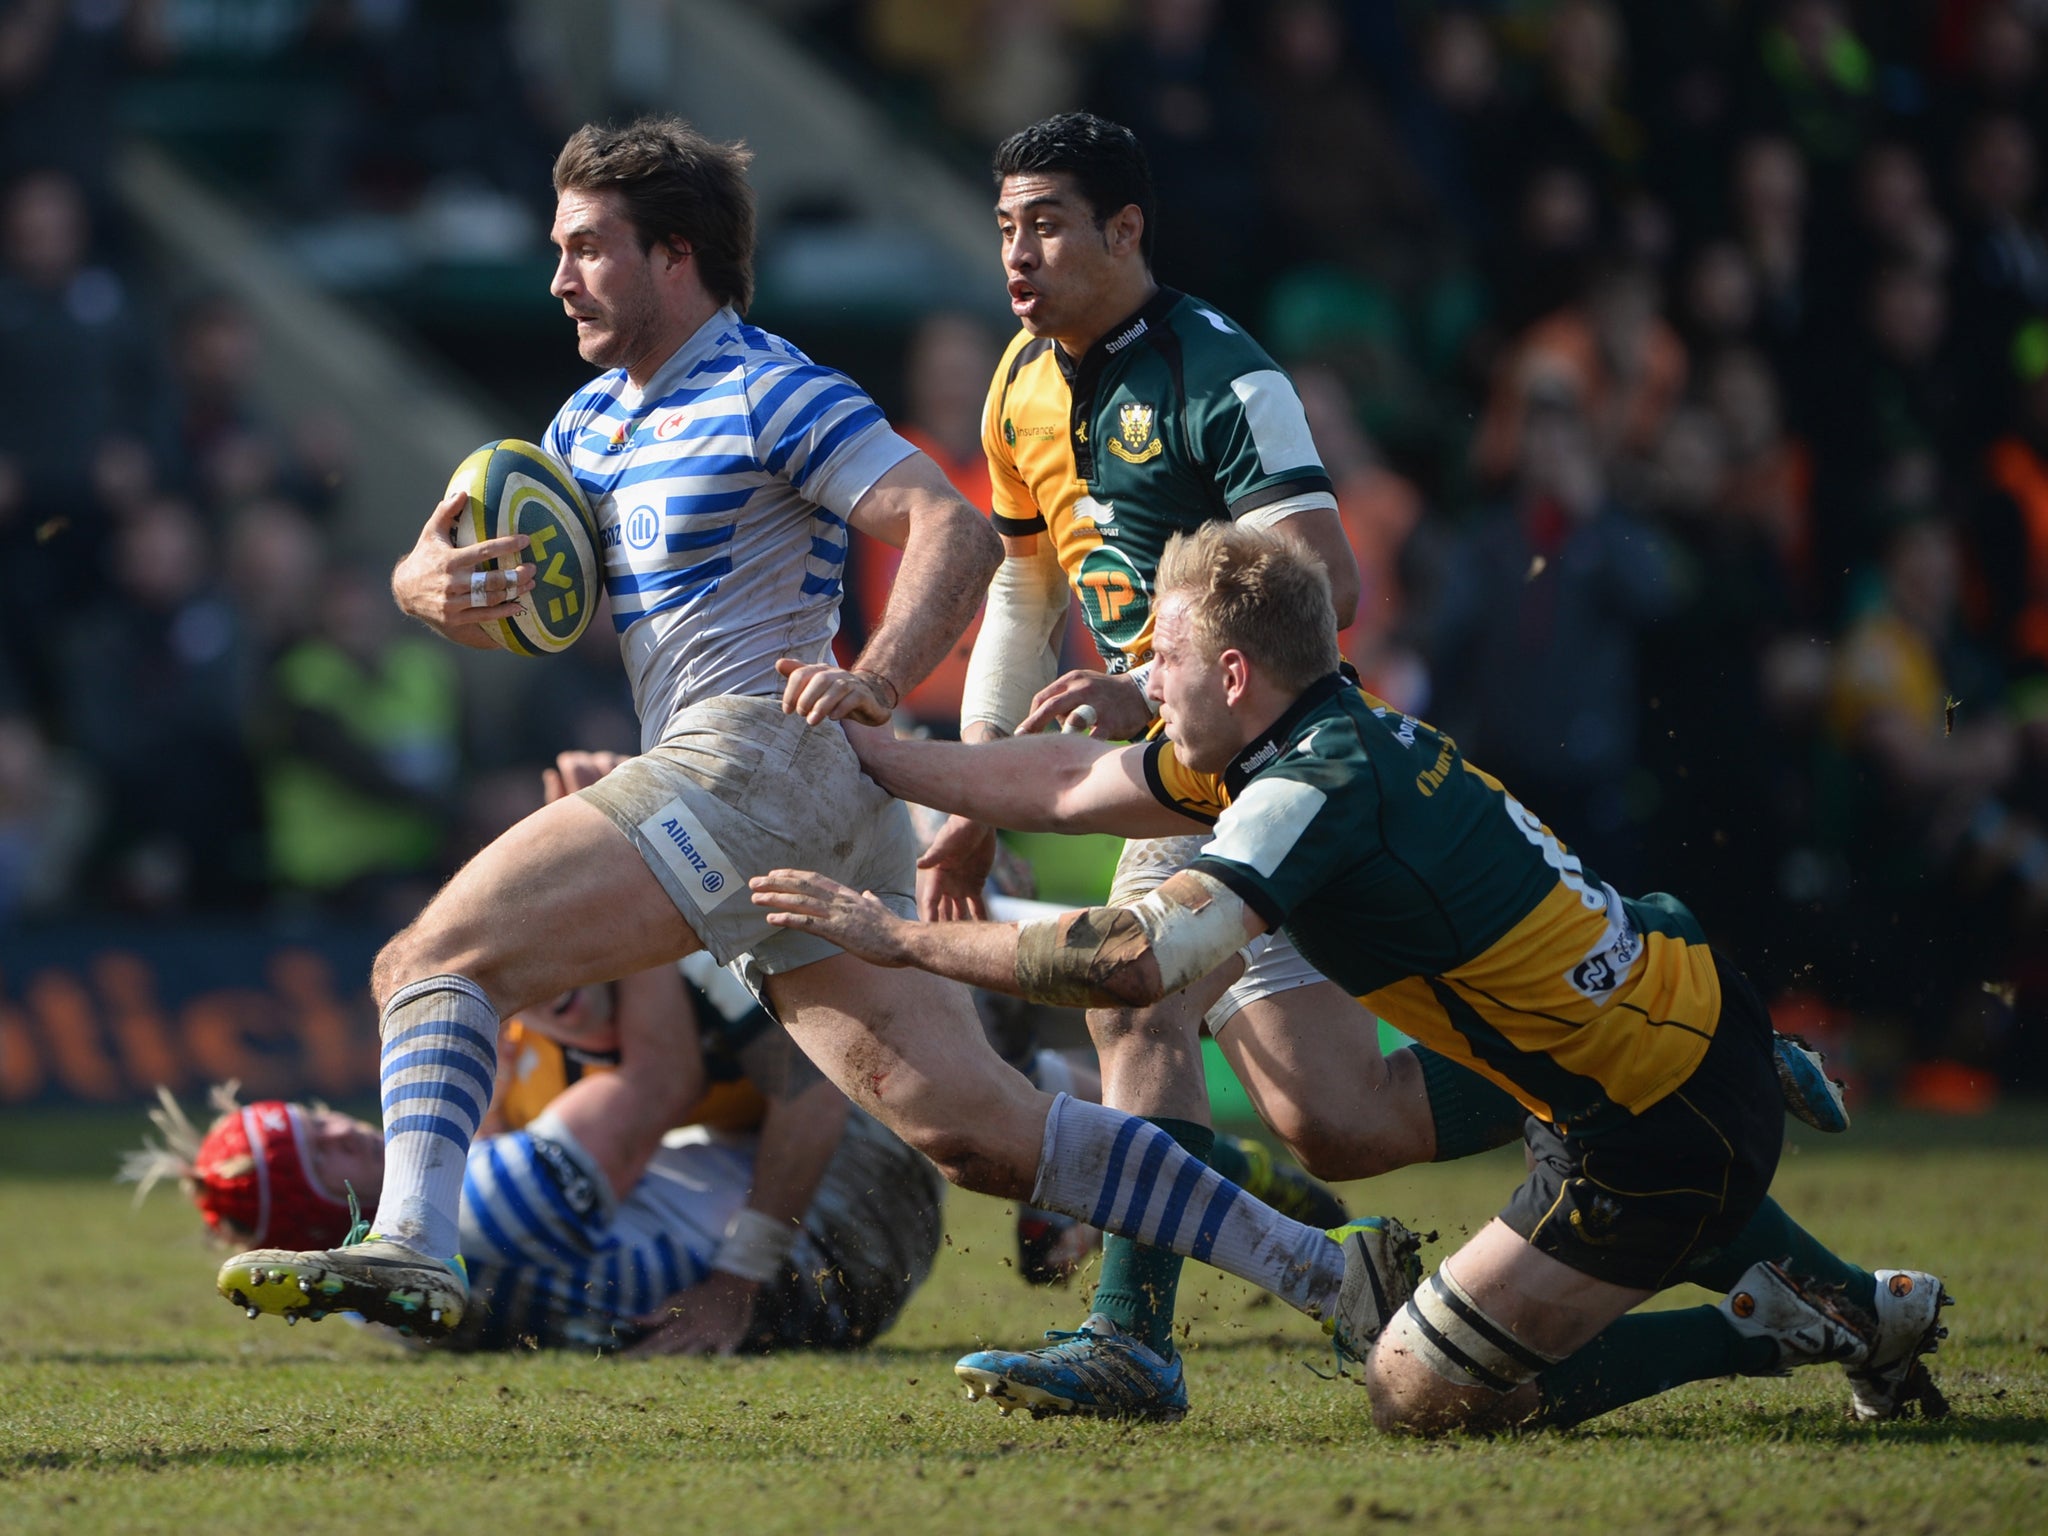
(253, 1175)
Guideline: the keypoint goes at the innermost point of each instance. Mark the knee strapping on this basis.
(1448, 1331)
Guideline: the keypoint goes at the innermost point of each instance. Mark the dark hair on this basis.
(677, 185)
(1105, 159)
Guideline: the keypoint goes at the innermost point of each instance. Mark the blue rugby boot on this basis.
(1810, 1094)
(1098, 1371)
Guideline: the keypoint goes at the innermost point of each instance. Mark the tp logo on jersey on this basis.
(691, 853)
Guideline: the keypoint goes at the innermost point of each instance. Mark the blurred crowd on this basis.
(207, 703)
(1682, 365)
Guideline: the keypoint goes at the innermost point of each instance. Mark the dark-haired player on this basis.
(1125, 412)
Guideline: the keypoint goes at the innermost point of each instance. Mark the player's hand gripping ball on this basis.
(514, 487)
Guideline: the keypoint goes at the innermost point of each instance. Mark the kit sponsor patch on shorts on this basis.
(693, 854)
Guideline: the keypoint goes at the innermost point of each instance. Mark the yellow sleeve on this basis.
(1180, 788)
(1011, 508)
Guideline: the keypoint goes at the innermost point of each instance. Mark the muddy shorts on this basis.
(1272, 964)
(1639, 1201)
(737, 788)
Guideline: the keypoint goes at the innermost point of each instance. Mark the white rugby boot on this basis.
(1811, 1324)
(1895, 1378)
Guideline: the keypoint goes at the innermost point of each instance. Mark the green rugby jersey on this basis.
(1427, 891)
(1174, 418)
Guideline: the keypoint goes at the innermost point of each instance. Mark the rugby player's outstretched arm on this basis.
(1063, 783)
(1103, 957)
(949, 554)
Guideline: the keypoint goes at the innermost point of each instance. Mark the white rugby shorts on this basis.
(737, 788)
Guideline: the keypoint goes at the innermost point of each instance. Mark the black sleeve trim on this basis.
(1248, 890)
(1017, 527)
(1265, 496)
(1156, 782)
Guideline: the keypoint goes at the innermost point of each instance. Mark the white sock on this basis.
(439, 1066)
(1124, 1175)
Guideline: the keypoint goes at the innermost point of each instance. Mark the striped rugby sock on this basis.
(440, 1063)
(1119, 1173)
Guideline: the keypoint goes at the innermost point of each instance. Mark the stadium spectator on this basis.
(1769, 211)
(359, 742)
(1337, 185)
(1534, 640)
(60, 63)
(2001, 271)
(77, 366)
(1176, 79)
(1579, 118)
(45, 823)
(2010, 529)
(1916, 712)
(1888, 400)
(154, 679)
(1380, 510)
(1620, 361)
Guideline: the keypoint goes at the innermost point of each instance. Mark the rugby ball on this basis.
(514, 487)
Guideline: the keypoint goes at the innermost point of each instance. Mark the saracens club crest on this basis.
(1135, 442)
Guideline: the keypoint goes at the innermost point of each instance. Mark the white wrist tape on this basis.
(1017, 652)
(756, 1247)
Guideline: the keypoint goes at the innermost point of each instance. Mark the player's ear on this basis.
(1126, 230)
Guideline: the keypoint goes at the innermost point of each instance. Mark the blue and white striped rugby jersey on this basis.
(722, 492)
(547, 1241)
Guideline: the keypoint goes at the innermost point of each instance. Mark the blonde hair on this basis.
(1253, 591)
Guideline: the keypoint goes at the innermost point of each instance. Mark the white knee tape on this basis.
(1444, 1328)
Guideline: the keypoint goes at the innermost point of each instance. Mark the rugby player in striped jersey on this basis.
(724, 468)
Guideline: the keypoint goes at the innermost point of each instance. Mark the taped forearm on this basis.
(1134, 955)
(1016, 654)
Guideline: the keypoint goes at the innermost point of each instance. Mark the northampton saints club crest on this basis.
(1135, 442)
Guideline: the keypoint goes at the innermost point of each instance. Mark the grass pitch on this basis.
(132, 1399)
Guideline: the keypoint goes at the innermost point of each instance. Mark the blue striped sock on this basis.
(1119, 1173)
(440, 1064)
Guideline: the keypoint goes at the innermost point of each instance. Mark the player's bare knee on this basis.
(970, 1161)
(392, 968)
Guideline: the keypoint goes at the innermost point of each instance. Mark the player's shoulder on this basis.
(1020, 358)
(596, 407)
(1215, 349)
